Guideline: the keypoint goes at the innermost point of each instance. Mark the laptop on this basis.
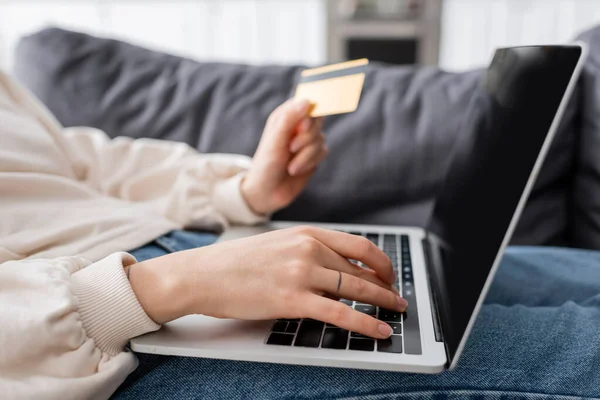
(445, 269)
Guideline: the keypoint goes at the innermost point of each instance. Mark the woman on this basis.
(72, 201)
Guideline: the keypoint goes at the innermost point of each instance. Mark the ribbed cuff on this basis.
(229, 202)
(110, 312)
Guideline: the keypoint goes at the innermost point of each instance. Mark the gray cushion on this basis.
(387, 159)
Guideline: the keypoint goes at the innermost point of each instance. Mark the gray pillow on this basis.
(387, 160)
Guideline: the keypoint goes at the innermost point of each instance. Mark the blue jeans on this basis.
(537, 337)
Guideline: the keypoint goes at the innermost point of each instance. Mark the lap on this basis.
(547, 276)
(536, 336)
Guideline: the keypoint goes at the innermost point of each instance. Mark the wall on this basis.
(251, 31)
(289, 31)
(471, 29)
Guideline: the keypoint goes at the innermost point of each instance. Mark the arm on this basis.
(183, 184)
(189, 188)
(171, 177)
(290, 273)
(64, 326)
(65, 322)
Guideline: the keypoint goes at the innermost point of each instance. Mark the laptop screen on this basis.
(506, 125)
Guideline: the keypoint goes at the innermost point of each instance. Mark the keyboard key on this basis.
(359, 335)
(389, 315)
(292, 327)
(362, 344)
(367, 309)
(335, 338)
(347, 302)
(290, 320)
(309, 334)
(396, 328)
(393, 344)
(280, 326)
(389, 241)
(412, 335)
(280, 339)
(373, 237)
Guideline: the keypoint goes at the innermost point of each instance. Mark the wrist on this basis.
(253, 197)
(160, 286)
(106, 299)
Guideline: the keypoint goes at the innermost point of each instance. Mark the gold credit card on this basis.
(333, 89)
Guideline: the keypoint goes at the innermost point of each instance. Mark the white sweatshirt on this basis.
(71, 200)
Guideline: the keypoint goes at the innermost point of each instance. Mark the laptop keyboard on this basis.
(406, 337)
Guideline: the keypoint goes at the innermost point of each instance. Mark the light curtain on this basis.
(471, 29)
(249, 31)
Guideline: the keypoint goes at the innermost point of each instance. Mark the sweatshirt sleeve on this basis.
(191, 189)
(186, 186)
(65, 323)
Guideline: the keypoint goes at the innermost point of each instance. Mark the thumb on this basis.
(283, 121)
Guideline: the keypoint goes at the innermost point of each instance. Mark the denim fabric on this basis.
(537, 337)
(173, 242)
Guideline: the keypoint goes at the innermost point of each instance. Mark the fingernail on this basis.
(294, 146)
(402, 303)
(385, 330)
(302, 105)
(292, 171)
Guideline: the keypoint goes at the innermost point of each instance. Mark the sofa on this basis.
(387, 160)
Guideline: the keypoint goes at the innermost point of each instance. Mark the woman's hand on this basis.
(280, 274)
(291, 148)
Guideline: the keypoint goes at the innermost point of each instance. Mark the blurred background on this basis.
(454, 34)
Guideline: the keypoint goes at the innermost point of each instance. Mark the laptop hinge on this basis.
(434, 295)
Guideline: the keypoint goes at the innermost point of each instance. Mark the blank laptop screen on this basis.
(506, 125)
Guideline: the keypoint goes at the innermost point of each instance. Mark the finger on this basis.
(304, 126)
(354, 288)
(354, 247)
(314, 134)
(317, 123)
(304, 139)
(306, 159)
(343, 316)
(284, 120)
(332, 297)
(331, 260)
(371, 276)
(298, 183)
